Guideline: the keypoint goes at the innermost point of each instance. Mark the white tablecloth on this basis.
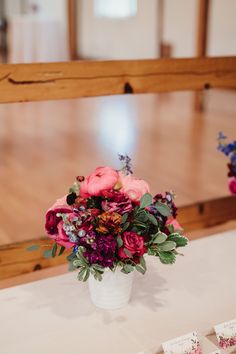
(37, 38)
(56, 316)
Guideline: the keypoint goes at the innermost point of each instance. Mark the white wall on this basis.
(126, 38)
(180, 26)
(137, 37)
(52, 8)
(222, 34)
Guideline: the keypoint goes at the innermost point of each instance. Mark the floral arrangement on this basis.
(110, 220)
(225, 342)
(230, 151)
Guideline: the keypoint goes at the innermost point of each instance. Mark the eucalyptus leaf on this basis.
(61, 250)
(119, 241)
(167, 257)
(127, 268)
(71, 257)
(159, 238)
(86, 276)
(78, 263)
(71, 267)
(82, 273)
(127, 252)
(140, 269)
(97, 276)
(167, 246)
(98, 267)
(152, 252)
(54, 250)
(163, 209)
(146, 200)
(171, 228)
(143, 262)
(152, 219)
(33, 248)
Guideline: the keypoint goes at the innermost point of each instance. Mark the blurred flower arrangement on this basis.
(229, 150)
(109, 220)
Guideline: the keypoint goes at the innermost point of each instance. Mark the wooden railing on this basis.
(51, 81)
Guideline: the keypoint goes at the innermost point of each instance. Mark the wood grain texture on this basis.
(16, 260)
(72, 28)
(37, 82)
(202, 27)
(201, 44)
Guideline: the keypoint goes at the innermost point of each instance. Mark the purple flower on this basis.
(126, 162)
(104, 251)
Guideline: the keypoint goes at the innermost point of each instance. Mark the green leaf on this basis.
(71, 257)
(119, 241)
(143, 262)
(78, 263)
(171, 228)
(33, 248)
(124, 218)
(98, 268)
(47, 254)
(163, 209)
(71, 267)
(159, 238)
(61, 250)
(86, 276)
(152, 219)
(127, 252)
(139, 224)
(146, 200)
(142, 216)
(152, 252)
(181, 241)
(127, 268)
(125, 226)
(140, 269)
(167, 246)
(167, 257)
(80, 255)
(97, 276)
(81, 273)
(54, 250)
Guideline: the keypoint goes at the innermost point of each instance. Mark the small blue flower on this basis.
(75, 249)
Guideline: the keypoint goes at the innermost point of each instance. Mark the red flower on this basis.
(134, 243)
(116, 202)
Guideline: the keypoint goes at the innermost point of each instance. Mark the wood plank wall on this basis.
(51, 81)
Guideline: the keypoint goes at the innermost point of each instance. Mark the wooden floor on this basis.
(43, 145)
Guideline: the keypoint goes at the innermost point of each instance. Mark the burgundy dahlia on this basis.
(117, 202)
(103, 251)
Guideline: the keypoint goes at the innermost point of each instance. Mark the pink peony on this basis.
(133, 187)
(102, 179)
(174, 222)
(232, 185)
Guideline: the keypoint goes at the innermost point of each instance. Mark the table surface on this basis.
(55, 315)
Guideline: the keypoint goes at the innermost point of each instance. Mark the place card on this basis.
(187, 344)
(226, 334)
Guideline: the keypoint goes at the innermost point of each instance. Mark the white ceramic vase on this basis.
(113, 292)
